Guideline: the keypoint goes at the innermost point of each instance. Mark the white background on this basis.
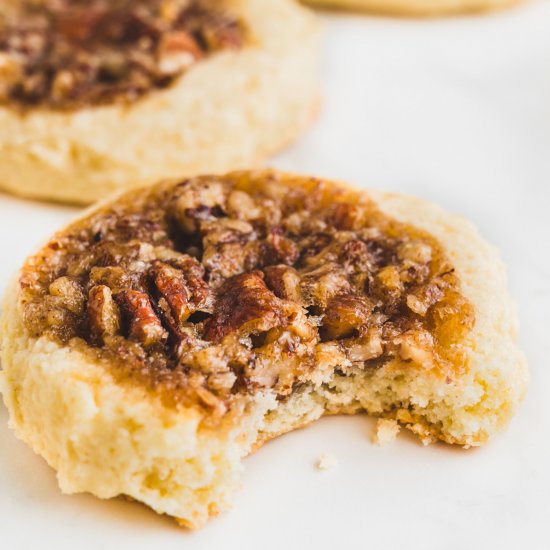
(456, 111)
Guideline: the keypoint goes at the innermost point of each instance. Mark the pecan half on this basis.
(144, 325)
(245, 304)
(193, 273)
(170, 284)
(200, 293)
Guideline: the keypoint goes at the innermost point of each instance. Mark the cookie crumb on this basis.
(326, 461)
(386, 431)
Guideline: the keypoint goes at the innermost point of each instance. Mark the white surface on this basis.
(457, 111)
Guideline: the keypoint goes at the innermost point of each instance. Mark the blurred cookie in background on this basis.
(416, 7)
(99, 96)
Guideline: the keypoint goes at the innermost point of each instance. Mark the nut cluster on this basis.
(217, 287)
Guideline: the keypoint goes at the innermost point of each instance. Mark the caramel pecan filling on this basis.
(64, 54)
(219, 287)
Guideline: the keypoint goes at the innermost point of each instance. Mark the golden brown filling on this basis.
(65, 54)
(219, 287)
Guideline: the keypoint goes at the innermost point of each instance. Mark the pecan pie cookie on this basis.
(150, 345)
(417, 7)
(109, 94)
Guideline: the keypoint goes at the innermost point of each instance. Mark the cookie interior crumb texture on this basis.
(153, 343)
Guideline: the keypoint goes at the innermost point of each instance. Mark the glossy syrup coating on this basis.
(211, 289)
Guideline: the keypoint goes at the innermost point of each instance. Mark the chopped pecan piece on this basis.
(355, 254)
(281, 248)
(345, 315)
(207, 397)
(199, 291)
(241, 205)
(226, 230)
(196, 200)
(244, 304)
(417, 346)
(144, 326)
(424, 298)
(114, 277)
(170, 283)
(193, 273)
(319, 285)
(284, 281)
(389, 279)
(345, 215)
(388, 288)
(69, 293)
(229, 259)
(415, 251)
(103, 315)
(313, 245)
(222, 34)
(63, 84)
(49, 314)
(222, 381)
(177, 51)
(366, 347)
(302, 223)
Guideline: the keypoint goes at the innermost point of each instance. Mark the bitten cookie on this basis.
(153, 343)
(103, 95)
